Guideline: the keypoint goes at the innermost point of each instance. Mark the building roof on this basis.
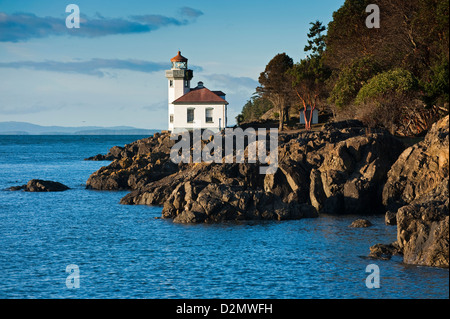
(202, 95)
(179, 58)
(219, 93)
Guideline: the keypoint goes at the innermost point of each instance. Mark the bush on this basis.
(254, 109)
(395, 82)
(388, 100)
(351, 79)
(436, 88)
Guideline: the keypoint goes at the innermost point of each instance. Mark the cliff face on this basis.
(419, 169)
(338, 170)
(417, 187)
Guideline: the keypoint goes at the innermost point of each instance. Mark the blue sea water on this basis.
(125, 252)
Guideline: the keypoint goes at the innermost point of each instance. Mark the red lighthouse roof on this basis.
(202, 95)
(178, 58)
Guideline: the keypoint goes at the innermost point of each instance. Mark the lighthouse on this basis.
(192, 108)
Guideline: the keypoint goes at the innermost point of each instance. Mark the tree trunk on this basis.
(306, 119)
(281, 119)
(310, 117)
(287, 115)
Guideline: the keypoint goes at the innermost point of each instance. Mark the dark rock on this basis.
(390, 218)
(385, 252)
(317, 195)
(17, 188)
(114, 153)
(135, 165)
(347, 124)
(361, 223)
(98, 157)
(423, 228)
(37, 185)
(352, 174)
(195, 202)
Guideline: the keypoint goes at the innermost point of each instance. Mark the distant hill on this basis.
(24, 128)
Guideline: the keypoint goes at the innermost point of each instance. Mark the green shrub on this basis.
(394, 82)
(351, 79)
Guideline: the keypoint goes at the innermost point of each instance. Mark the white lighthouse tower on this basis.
(179, 83)
(193, 108)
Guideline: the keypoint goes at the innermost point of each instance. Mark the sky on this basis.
(111, 70)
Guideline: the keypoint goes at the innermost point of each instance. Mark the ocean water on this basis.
(125, 252)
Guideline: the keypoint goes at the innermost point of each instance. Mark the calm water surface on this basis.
(124, 252)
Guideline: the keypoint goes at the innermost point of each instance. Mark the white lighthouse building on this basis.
(193, 108)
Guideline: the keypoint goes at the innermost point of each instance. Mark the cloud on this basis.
(235, 84)
(91, 67)
(189, 12)
(18, 27)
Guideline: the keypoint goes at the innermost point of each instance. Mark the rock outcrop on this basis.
(390, 218)
(113, 154)
(352, 173)
(417, 189)
(423, 228)
(342, 169)
(385, 252)
(37, 185)
(337, 170)
(419, 169)
(135, 165)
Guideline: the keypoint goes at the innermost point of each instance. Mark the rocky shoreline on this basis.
(344, 168)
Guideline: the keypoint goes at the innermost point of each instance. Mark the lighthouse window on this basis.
(209, 115)
(186, 83)
(171, 83)
(171, 118)
(190, 115)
